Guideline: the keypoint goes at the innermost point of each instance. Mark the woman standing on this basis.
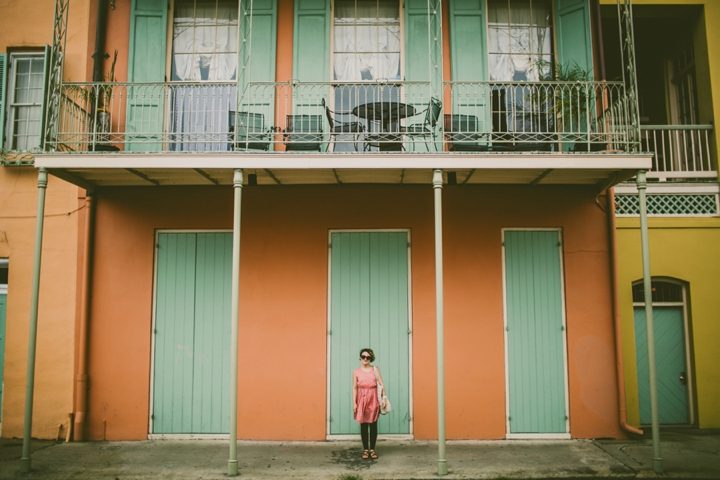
(366, 407)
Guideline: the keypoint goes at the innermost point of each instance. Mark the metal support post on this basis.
(234, 312)
(647, 290)
(32, 340)
(437, 191)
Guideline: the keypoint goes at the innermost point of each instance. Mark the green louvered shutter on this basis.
(535, 332)
(3, 309)
(192, 333)
(573, 31)
(369, 308)
(311, 52)
(417, 57)
(146, 63)
(3, 83)
(468, 59)
(262, 56)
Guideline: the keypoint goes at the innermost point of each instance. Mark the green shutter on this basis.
(369, 308)
(669, 362)
(535, 333)
(311, 55)
(3, 82)
(574, 39)
(44, 103)
(468, 60)
(192, 333)
(262, 56)
(146, 63)
(3, 309)
(417, 57)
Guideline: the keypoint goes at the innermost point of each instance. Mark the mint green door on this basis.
(670, 364)
(3, 308)
(535, 333)
(192, 333)
(369, 308)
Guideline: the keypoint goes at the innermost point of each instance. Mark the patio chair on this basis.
(427, 128)
(303, 133)
(342, 128)
(251, 131)
(463, 135)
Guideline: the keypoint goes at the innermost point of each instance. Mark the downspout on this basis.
(99, 54)
(616, 317)
(81, 379)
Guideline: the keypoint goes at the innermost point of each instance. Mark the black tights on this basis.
(364, 427)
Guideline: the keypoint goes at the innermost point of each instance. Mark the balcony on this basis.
(680, 152)
(348, 118)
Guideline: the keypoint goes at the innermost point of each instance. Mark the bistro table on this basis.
(385, 112)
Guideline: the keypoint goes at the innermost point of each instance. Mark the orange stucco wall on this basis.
(28, 26)
(56, 315)
(283, 301)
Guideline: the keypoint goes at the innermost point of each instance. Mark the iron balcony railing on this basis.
(322, 117)
(679, 151)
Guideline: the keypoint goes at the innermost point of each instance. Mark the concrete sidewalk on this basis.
(687, 453)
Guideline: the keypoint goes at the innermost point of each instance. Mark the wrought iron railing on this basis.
(679, 151)
(383, 116)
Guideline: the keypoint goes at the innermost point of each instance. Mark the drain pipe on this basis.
(99, 54)
(81, 379)
(616, 317)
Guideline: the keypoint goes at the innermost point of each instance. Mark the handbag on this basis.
(387, 408)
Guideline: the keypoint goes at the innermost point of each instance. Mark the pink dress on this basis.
(368, 407)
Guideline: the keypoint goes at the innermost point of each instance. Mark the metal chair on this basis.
(251, 131)
(342, 128)
(463, 135)
(427, 128)
(303, 133)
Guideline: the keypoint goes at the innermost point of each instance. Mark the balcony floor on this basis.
(91, 171)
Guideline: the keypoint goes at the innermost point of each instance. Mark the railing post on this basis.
(439, 319)
(32, 339)
(649, 321)
(234, 312)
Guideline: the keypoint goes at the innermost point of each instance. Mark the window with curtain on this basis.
(366, 40)
(520, 49)
(520, 42)
(204, 50)
(26, 76)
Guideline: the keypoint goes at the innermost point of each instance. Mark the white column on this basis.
(439, 315)
(234, 312)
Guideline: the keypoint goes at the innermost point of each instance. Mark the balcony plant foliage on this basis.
(568, 95)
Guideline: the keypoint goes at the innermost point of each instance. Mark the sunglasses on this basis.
(365, 357)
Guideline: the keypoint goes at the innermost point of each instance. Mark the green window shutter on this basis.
(3, 82)
(417, 57)
(262, 56)
(46, 85)
(574, 39)
(468, 49)
(311, 57)
(146, 63)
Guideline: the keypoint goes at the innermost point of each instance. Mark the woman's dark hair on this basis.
(370, 352)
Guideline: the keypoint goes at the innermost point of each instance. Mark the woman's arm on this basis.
(380, 381)
(354, 392)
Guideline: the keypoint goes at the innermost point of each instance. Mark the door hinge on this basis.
(559, 244)
(155, 331)
(562, 328)
(329, 332)
(409, 331)
(329, 419)
(152, 417)
(157, 245)
(503, 244)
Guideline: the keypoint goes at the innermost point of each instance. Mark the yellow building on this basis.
(678, 63)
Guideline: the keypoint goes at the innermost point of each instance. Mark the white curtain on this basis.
(205, 45)
(367, 40)
(519, 38)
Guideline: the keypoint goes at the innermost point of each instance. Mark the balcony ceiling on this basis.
(91, 171)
